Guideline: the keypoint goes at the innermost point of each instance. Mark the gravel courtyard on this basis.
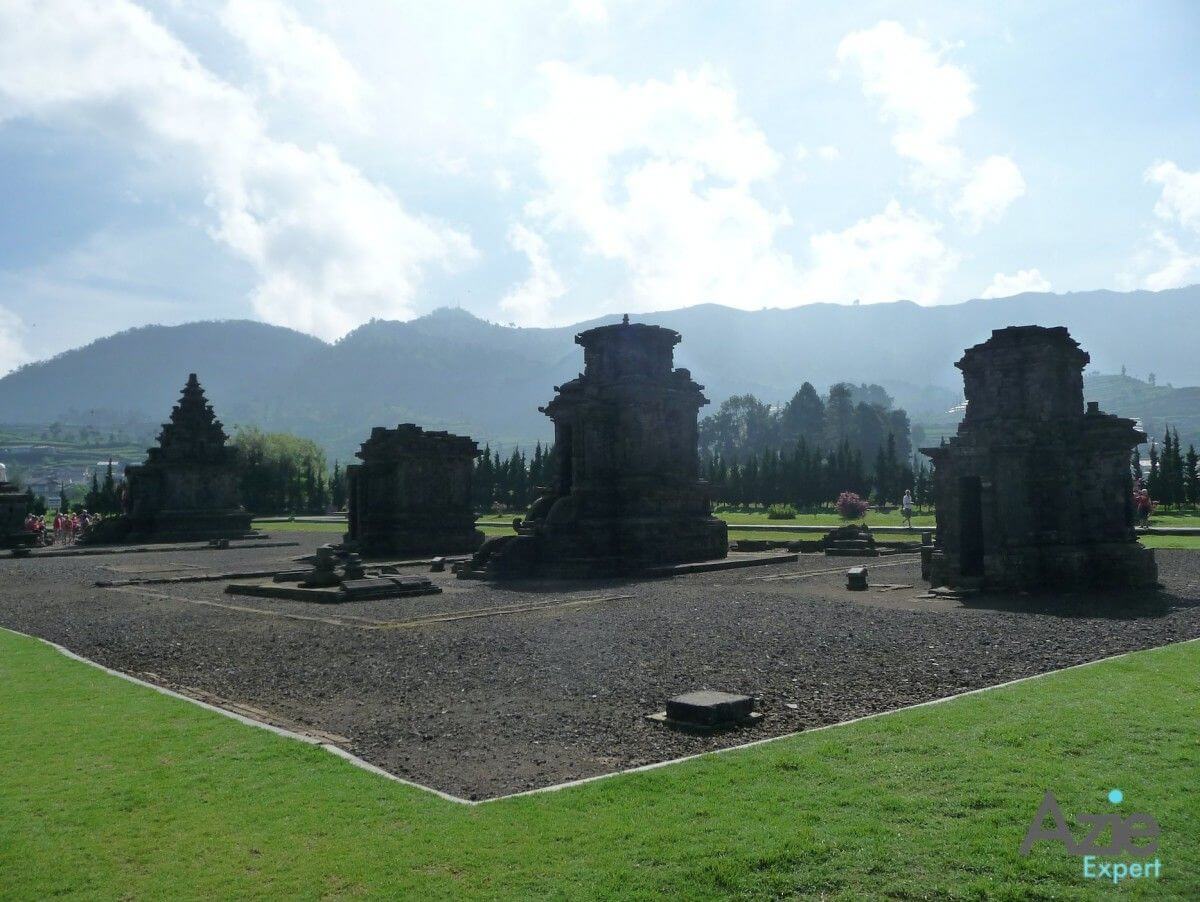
(482, 690)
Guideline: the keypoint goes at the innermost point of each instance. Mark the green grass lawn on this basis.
(285, 526)
(1187, 516)
(760, 518)
(1170, 541)
(830, 518)
(499, 526)
(112, 790)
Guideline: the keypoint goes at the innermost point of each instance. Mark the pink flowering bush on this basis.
(850, 506)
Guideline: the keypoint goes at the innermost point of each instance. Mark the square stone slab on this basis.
(707, 708)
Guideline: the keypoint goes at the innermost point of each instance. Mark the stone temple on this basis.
(412, 493)
(626, 495)
(14, 508)
(1034, 491)
(187, 490)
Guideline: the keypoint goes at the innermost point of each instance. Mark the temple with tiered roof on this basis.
(188, 487)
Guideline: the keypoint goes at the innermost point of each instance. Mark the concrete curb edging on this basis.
(379, 771)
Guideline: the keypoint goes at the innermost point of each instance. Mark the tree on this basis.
(803, 417)
(922, 485)
(279, 473)
(887, 472)
(1191, 476)
(1152, 481)
(839, 415)
(483, 482)
(1174, 476)
(337, 486)
(742, 425)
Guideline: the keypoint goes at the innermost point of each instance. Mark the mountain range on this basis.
(451, 370)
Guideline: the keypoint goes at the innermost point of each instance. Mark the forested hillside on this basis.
(450, 370)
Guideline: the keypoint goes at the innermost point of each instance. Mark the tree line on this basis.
(279, 473)
(513, 482)
(1174, 477)
(811, 449)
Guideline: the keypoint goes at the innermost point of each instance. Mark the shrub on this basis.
(781, 512)
(850, 506)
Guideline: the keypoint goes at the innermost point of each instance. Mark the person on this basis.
(906, 508)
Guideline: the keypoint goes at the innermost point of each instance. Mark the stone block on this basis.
(708, 708)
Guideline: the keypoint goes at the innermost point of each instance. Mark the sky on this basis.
(318, 165)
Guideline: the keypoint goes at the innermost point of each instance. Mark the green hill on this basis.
(1157, 406)
(451, 370)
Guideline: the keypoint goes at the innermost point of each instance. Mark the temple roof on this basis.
(193, 432)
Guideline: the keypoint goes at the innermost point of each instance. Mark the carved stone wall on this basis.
(412, 493)
(626, 494)
(188, 487)
(1034, 491)
(14, 508)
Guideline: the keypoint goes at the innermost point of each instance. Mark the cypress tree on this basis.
(1152, 480)
(1191, 476)
(1178, 476)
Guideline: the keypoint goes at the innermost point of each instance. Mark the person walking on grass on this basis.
(906, 508)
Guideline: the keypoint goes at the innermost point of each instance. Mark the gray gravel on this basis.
(510, 701)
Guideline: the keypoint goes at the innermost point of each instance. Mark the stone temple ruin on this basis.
(412, 493)
(14, 507)
(187, 489)
(1035, 492)
(626, 495)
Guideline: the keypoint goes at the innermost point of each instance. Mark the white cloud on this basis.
(331, 248)
(296, 60)
(662, 178)
(828, 152)
(659, 176)
(925, 98)
(1175, 266)
(1180, 198)
(891, 255)
(589, 12)
(920, 93)
(800, 153)
(1022, 280)
(994, 184)
(12, 351)
(1170, 257)
(530, 302)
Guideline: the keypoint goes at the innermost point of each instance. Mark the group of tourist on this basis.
(65, 529)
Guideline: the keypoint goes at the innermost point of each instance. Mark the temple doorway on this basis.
(970, 522)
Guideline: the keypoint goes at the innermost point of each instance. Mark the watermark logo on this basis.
(1135, 836)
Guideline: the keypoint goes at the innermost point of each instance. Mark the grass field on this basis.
(742, 523)
(112, 790)
(285, 526)
(760, 518)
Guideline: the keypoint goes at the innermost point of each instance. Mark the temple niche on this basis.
(626, 494)
(1034, 491)
(187, 489)
(412, 493)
